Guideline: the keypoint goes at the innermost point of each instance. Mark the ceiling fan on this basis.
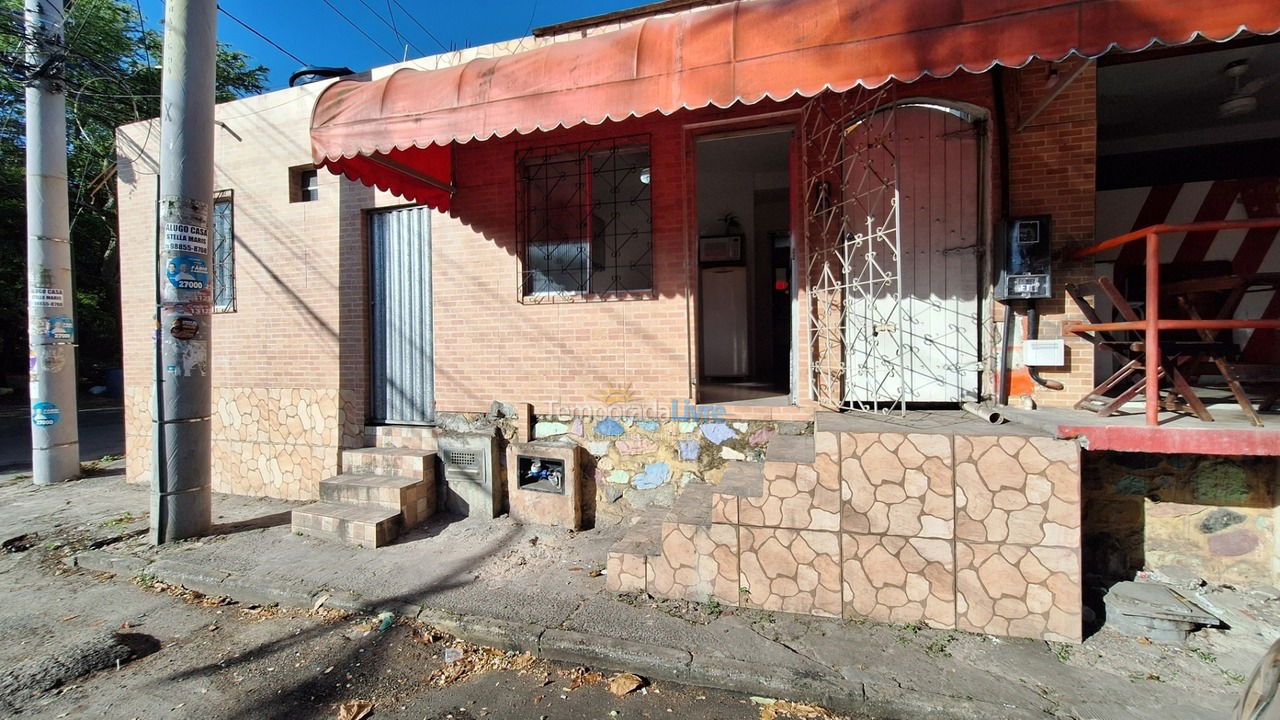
(1244, 94)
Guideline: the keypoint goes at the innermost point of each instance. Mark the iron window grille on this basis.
(224, 252)
(585, 221)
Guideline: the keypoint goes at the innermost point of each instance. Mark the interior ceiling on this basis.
(764, 155)
(1173, 102)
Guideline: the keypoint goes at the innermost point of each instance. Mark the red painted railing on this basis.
(1151, 324)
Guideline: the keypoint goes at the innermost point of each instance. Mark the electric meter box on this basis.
(1025, 258)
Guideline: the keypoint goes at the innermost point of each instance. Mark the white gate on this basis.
(893, 193)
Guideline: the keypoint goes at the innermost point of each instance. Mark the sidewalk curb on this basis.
(658, 662)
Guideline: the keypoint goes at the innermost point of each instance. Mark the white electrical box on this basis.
(1044, 353)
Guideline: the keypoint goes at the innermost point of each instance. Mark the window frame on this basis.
(225, 198)
(298, 193)
(583, 153)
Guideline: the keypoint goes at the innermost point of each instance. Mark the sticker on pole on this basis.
(45, 414)
(46, 297)
(43, 292)
(187, 273)
(186, 237)
(57, 327)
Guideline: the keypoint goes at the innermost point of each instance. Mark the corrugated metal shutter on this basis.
(403, 382)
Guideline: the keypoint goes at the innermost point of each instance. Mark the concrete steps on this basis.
(414, 463)
(697, 508)
(408, 495)
(368, 526)
(381, 491)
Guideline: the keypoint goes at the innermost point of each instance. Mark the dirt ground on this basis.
(211, 658)
(219, 660)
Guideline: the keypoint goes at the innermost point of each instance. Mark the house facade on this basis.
(683, 236)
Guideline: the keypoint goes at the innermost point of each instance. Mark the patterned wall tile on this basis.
(900, 580)
(697, 563)
(795, 496)
(791, 570)
(1024, 592)
(626, 572)
(897, 484)
(1019, 490)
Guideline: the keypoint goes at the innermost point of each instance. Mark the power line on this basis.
(361, 31)
(390, 25)
(391, 15)
(420, 25)
(268, 40)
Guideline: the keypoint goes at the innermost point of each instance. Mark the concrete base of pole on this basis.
(188, 514)
(60, 465)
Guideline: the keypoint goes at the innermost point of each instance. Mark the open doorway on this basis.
(745, 268)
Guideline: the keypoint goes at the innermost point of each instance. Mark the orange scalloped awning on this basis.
(396, 133)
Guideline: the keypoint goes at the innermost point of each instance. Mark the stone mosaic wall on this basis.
(637, 464)
(976, 533)
(1179, 515)
(272, 442)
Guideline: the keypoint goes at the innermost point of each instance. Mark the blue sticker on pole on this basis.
(187, 272)
(61, 328)
(45, 414)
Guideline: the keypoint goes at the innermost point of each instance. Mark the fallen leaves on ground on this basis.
(477, 660)
(580, 676)
(624, 684)
(786, 710)
(772, 709)
(355, 710)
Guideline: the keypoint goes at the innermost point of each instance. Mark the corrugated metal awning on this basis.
(396, 132)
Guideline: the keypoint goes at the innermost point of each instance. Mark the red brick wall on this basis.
(492, 345)
(1052, 164)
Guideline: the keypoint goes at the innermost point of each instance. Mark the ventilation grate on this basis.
(468, 460)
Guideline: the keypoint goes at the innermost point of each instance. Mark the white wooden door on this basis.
(939, 197)
(912, 268)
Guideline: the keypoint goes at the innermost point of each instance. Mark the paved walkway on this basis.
(540, 589)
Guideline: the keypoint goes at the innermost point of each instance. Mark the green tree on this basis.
(112, 70)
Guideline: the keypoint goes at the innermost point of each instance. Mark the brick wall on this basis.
(281, 410)
(1052, 163)
(300, 329)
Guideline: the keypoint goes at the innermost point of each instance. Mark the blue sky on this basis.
(315, 33)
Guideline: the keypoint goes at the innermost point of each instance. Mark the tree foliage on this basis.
(112, 71)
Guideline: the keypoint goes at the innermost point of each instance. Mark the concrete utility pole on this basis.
(55, 439)
(181, 496)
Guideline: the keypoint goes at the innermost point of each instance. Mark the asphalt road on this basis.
(101, 433)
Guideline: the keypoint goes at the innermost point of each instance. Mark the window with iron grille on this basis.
(224, 252)
(585, 220)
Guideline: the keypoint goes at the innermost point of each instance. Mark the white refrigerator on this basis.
(724, 321)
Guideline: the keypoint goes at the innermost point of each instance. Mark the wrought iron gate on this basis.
(855, 265)
(403, 380)
(893, 235)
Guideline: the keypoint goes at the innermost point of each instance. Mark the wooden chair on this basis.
(1129, 381)
(1225, 294)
